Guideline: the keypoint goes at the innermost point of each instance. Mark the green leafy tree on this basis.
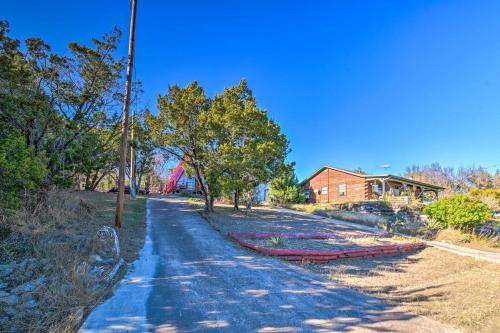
(87, 94)
(21, 170)
(285, 188)
(179, 131)
(459, 212)
(145, 149)
(25, 107)
(230, 144)
(62, 104)
(94, 157)
(246, 148)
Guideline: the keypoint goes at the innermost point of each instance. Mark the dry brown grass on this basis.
(472, 241)
(58, 230)
(460, 291)
(325, 244)
(456, 290)
(133, 230)
(261, 219)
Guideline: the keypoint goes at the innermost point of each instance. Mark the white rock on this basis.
(108, 244)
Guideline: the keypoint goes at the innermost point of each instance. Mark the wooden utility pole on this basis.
(133, 189)
(126, 106)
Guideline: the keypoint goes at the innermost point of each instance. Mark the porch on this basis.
(400, 190)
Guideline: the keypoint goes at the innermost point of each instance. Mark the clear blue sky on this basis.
(352, 83)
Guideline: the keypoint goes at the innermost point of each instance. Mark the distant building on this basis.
(336, 185)
(262, 193)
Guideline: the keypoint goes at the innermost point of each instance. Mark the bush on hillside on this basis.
(458, 212)
(21, 170)
(490, 196)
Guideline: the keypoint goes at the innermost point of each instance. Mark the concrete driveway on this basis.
(190, 279)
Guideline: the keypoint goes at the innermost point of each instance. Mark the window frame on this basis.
(343, 193)
(324, 190)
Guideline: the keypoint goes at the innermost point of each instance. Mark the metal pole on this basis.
(126, 106)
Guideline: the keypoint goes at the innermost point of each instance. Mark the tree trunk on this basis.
(211, 203)
(148, 183)
(88, 183)
(236, 200)
(139, 180)
(204, 188)
(207, 203)
(98, 181)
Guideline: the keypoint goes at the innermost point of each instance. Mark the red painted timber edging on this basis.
(326, 255)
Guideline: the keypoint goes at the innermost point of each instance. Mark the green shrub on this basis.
(21, 171)
(459, 212)
(432, 224)
(276, 241)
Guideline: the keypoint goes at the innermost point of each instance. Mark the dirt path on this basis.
(464, 251)
(190, 279)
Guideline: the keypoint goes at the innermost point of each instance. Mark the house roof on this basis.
(378, 176)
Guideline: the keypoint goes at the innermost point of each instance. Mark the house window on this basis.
(324, 190)
(376, 188)
(342, 189)
(307, 194)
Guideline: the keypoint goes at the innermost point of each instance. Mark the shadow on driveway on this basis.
(203, 283)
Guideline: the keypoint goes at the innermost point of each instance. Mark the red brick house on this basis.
(335, 185)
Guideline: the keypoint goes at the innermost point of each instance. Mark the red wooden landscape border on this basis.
(322, 255)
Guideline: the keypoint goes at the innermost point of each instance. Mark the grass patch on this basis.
(262, 219)
(330, 211)
(452, 289)
(312, 208)
(133, 230)
(196, 200)
(473, 241)
(54, 234)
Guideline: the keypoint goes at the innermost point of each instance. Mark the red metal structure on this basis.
(173, 184)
